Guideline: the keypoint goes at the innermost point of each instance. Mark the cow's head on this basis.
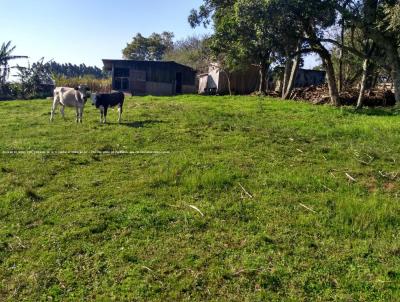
(85, 91)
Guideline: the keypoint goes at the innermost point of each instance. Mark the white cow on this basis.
(70, 97)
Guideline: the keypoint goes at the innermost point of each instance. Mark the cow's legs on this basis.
(77, 114)
(53, 110)
(119, 114)
(62, 110)
(105, 115)
(81, 114)
(101, 113)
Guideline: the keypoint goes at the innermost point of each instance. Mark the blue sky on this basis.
(87, 31)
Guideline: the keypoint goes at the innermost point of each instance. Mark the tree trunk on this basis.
(286, 76)
(393, 57)
(396, 82)
(342, 33)
(341, 78)
(229, 85)
(374, 81)
(326, 58)
(330, 77)
(263, 77)
(363, 85)
(228, 78)
(293, 75)
(392, 53)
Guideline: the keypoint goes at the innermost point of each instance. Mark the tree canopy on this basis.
(192, 51)
(152, 48)
(281, 31)
(69, 70)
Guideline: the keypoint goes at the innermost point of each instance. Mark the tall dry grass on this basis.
(95, 85)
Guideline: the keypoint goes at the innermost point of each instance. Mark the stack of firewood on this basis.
(379, 96)
(313, 94)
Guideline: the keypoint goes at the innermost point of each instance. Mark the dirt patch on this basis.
(389, 187)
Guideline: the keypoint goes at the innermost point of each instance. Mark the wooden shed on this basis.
(247, 81)
(151, 77)
(216, 81)
(304, 78)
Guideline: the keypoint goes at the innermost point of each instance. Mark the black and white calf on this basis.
(103, 101)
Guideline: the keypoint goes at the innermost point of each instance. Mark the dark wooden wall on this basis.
(163, 72)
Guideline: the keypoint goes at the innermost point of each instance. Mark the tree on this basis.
(152, 48)
(69, 70)
(379, 19)
(33, 78)
(254, 19)
(257, 32)
(392, 15)
(316, 17)
(193, 51)
(6, 55)
(387, 36)
(243, 33)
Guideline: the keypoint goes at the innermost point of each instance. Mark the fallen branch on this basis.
(329, 189)
(147, 268)
(304, 206)
(351, 178)
(371, 159)
(244, 190)
(197, 209)
(391, 176)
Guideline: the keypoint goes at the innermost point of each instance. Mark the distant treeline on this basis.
(69, 70)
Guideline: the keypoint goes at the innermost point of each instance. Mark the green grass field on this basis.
(253, 202)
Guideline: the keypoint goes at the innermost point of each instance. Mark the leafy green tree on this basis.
(193, 51)
(152, 48)
(33, 78)
(256, 32)
(315, 18)
(392, 16)
(69, 70)
(244, 33)
(378, 20)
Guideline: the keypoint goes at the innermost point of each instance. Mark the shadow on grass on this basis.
(139, 124)
(390, 111)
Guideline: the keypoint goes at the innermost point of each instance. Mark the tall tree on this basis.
(74, 71)
(250, 30)
(192, 51)
(378, 18)
(32, 78)
(316, 17)
(244, 33)
(152, 48)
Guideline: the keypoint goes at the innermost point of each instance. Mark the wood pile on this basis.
(315, 94)
(319, 95)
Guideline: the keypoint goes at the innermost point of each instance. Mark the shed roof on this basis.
(306, 70)
(109, 62)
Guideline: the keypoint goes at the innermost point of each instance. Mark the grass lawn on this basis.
(257, 200)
